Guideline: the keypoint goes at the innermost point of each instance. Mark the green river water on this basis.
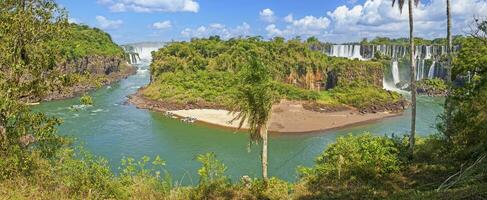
(113, 129)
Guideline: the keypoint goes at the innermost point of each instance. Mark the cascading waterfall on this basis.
(396, 53)
(346, 51)
(141, 52)
(431, 72)
(395, 72)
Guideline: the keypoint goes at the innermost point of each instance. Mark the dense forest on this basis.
(203, 72)
(37, 163)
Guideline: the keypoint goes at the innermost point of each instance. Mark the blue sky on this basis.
(329, 20)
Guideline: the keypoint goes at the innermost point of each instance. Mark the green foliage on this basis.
(354, 165)
(291, 92)
(436, 83)
(86, 100)
(84, 41)
(213, 181)
(27, 60)
(466, 128)
(254, 98)
(193, 88)
(287, 61)
(457, 39)
(363, 97)
(347, 72)
(217, 88)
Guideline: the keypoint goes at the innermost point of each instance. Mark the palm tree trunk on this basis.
(449, 45)
(449, 77)
(413, 79)
(264, 152)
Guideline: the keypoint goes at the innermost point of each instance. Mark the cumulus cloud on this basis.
(267, 15)
(378, 18)
(306, 26)
(151, 5)
(162, 25)
(105, 23)
(217, 29)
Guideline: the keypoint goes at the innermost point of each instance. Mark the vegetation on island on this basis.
(37, 163)
(203, 71)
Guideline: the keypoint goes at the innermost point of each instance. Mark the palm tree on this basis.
(449, 44)
(252, 104)
(413, 68)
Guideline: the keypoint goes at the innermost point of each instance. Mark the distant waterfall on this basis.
(397, 54)
(395, 72)
(346, 51)
(141, 52)
(431, 72)
(419, 69)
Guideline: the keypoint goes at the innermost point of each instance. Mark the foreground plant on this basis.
(253, 103)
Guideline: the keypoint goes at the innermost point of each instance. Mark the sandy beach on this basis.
(287, 117)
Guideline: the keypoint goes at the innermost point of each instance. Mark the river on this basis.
(113, 130)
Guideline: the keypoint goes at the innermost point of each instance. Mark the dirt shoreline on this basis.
(287, 116)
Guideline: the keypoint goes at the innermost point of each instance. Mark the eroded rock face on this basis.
(93, 64)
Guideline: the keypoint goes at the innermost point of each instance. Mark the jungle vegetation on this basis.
(37, 163)
(204, 70)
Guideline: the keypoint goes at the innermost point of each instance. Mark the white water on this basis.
(395, 72)
(142, 52)
(346, 51)
(431, 72)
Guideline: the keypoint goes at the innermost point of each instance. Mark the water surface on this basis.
(113, 129)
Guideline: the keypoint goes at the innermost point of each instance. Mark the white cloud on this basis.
(162, 25)
(378, 18)
(267, 15)
(217, 29)
(151, 5)
(306, 26)
(105, 23)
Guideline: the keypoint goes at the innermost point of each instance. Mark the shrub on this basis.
(364, 97)
(354, 165)
(86, 100)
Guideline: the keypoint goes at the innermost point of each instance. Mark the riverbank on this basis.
(287, 116)
(82, 87)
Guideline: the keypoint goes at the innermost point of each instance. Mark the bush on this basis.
(354, 165)
(364, 97)
(86, 100)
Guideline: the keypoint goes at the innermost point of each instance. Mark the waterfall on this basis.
(395, 72)
(419, 69)
(346, 51)
(431, 72)
(141, 52)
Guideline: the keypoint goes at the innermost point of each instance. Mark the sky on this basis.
(336, 21)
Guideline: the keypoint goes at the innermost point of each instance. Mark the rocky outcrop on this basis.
(111, 69)
(93, 65)
(394, 107)
(428, 87)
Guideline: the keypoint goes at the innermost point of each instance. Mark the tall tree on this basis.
(253, 103)
(411, 3)
(27, 63)
(27, 55)
(449, 45)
